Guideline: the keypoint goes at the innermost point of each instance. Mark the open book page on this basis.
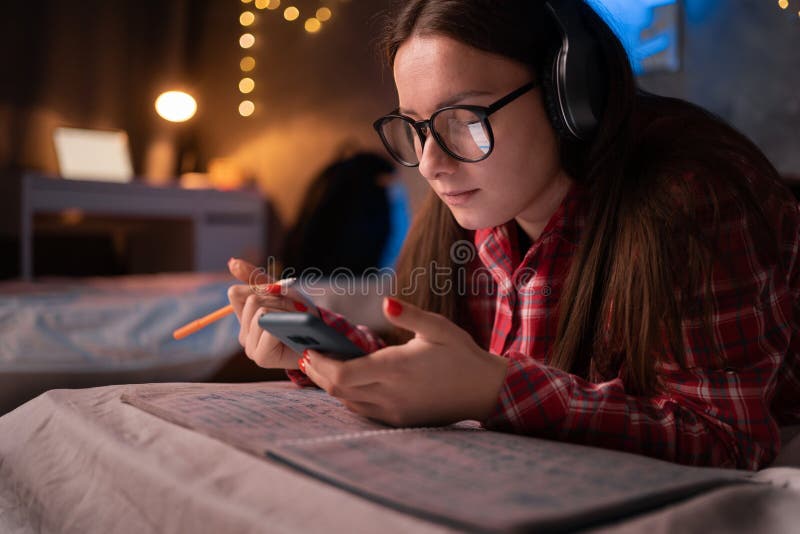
(497, 482)
(461, 475)
(251, 417)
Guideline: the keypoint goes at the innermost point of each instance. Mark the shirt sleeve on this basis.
(362, 336)
(786, 405)
(704, 417)
(702, 414)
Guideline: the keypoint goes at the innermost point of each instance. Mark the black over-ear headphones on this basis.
(574, 81)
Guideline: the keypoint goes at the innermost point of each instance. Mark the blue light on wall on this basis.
(649, 30)
(698, 11)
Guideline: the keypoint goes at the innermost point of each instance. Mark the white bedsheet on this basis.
(98, 331)
(117, 321)
(82, 461)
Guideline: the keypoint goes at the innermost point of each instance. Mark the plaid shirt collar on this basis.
(498, 247)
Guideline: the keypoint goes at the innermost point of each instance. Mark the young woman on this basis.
(643, 288)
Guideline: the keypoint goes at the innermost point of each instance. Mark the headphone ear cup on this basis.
(550, 95)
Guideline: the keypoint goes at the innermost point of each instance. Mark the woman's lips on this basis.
(459, 198)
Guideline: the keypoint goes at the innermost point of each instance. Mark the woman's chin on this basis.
(469, 220)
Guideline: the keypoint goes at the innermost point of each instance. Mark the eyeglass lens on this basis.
(461, 131)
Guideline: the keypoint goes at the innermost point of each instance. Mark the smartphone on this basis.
(301, 331)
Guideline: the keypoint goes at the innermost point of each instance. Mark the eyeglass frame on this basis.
(482, 112)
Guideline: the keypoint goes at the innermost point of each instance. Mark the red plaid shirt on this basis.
(704, 415)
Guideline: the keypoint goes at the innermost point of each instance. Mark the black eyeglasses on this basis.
(462, 131)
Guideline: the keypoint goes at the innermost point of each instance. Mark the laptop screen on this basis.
(101, 155)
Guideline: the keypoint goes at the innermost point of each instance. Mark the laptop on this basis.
(102, 155)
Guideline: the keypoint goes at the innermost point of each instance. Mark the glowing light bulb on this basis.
(312, 25)
(291, 13)
(783, 4)
(324, 14)
(247, 64)
(247, 18)
(247, 40)
(176, 106)
(246, 85)
(246, 108)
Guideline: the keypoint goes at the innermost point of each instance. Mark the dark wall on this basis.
(100, 64)
(741, 60)
(94, 64)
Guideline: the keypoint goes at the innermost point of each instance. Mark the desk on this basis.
(211, 225)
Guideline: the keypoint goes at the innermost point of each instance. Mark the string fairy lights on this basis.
(251, 11)
(784, 4)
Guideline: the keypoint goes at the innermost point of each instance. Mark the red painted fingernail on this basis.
(273, 289)
(301, 364)
(299, 306)
(393, 307)
(305, 354)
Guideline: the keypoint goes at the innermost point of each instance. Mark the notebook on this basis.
(460, 475)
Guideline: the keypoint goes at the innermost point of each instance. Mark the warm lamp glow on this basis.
(274, 4)
(225, 173)
(246, 108)
(783, 4)
(176, 106)
(324, 14)
(262, 4)
(291, 13)
(247, 64)
(247, 40)
(72, 216)
(312, 25)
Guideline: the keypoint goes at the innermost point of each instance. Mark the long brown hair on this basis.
(644, 262)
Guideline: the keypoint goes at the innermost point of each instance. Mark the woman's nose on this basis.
(435, 162)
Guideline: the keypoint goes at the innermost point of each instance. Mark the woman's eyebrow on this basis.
(453, 100)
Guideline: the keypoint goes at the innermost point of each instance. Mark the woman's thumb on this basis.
(431, 326)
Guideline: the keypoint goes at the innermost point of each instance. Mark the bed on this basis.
(82, 461)
(71, 333)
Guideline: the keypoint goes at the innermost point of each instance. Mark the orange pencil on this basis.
(202, 322)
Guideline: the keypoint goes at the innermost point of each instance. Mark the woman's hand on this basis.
(256, 298)
(440, 376)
